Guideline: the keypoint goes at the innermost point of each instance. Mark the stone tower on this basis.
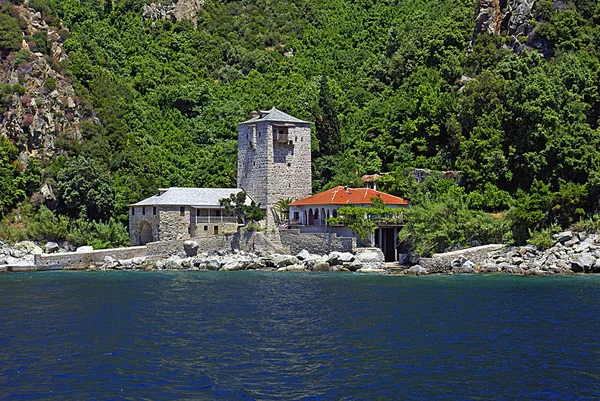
(274, 160)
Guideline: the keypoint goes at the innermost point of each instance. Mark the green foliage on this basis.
(363, 220)
(236, 205)
(50, 84)
(40, 39)
(542, 239)
(17, 180)
(84, 189)
(28, 222)
(10, 33)
(381, 80)
(437, 223)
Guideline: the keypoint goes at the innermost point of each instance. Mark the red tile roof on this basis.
(370, 178)
(349, 196)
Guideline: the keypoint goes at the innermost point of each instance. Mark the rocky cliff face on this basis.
(45, 110)
(177, 11)
(512, 18)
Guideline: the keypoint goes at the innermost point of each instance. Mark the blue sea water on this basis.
(291, 336)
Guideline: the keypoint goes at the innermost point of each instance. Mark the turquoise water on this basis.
(266, 336)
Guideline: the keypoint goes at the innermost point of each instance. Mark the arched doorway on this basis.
(146, 234)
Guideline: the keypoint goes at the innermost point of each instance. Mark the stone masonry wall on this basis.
(441, 262)
(208, 229)
(84, 259)
(172, 224)
(137, 220)
(252, 161)
(270, 171)
(290, 174)
(319, 243)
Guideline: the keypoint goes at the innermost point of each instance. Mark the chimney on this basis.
(254, 114)
(162, 191)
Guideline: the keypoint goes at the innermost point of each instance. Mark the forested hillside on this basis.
(390, 84)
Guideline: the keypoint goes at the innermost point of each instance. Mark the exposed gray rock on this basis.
(304, 254)
(466, 267)
(583, 263)
(51, 247)
(563, 236)
(85, 249)
(284, 260)
(190, 248)
(110, 262)
(369, 259)
(321, 266)
(416, 270)
(213, 265)
(232, 266)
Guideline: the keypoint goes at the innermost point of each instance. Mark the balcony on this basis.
(216, 219)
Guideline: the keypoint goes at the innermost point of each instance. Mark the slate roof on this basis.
(195, 197)
(275, 116)
(349, 196)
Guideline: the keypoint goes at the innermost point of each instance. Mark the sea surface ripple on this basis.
(298, 336)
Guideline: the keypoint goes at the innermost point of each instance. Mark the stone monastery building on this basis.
(274, 163)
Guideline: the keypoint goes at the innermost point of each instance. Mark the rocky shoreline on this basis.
(571, 253)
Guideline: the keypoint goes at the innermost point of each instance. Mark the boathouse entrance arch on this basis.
(146, 233)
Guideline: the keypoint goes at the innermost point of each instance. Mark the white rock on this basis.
(84, 249)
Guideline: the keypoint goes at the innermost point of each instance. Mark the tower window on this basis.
(182, 211)
(143, 211)
(154, 210)
(280, 134)
(133, 211)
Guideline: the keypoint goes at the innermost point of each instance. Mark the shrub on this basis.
(50, 84)
(10, 33)
(542, 239)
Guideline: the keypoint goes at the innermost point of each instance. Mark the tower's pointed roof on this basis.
(276, 116)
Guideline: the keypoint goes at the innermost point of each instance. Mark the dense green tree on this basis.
(84, 189)
(10, 33)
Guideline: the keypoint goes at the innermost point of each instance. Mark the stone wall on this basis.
(270, 171)
(441, 262)
(173, 225)
(84, 259)
(290, 174)
(141, 217)
(319, 243)
(207, 230)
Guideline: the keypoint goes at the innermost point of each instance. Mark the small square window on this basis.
(205, 228)
(182, 211)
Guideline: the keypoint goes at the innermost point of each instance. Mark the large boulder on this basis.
(232, 265)
(368, 260)
(84, 249)
(51, 247)
(28, 248)
(213, 265)
(563, 236)
(416, 270)
(304, 254)
(339, 258)
(583, 263)
(321, 266)
(284, 260)
(190, 248)
(467, 267)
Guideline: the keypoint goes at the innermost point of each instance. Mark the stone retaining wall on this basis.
(84, 259)
(319, 243)
(441, 262)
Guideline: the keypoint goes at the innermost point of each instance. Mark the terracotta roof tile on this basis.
(349, 196)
